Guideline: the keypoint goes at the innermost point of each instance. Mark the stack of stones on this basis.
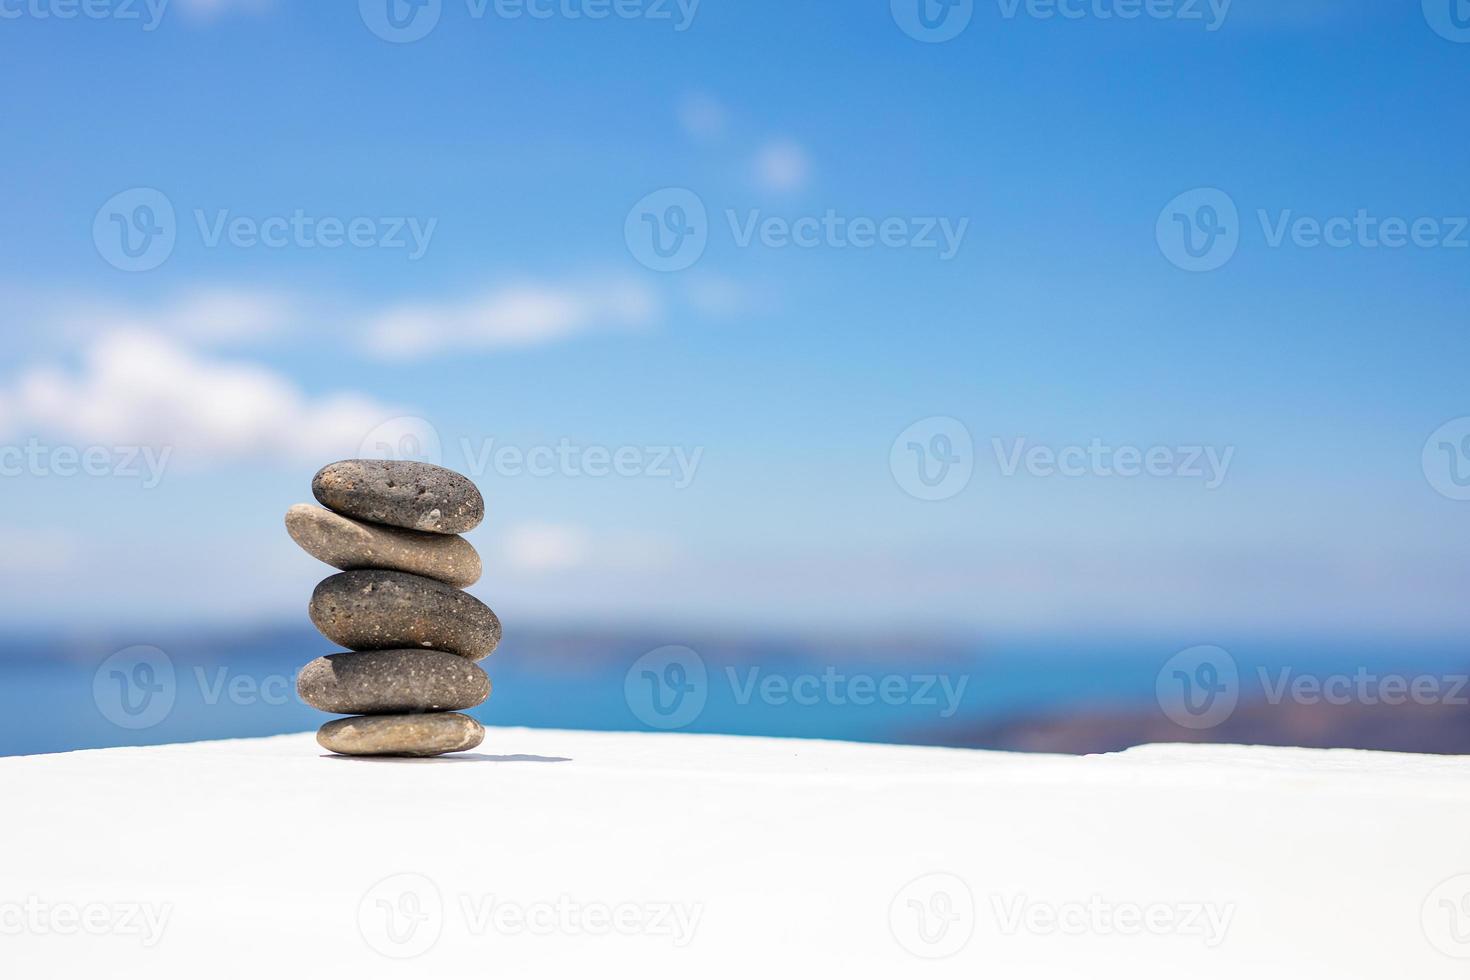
(394, 528)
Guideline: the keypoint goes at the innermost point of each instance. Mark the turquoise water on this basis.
(57, 695)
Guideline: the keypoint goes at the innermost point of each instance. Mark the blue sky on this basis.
(1060, 320)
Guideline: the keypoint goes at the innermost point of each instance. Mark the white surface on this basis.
(784, 858)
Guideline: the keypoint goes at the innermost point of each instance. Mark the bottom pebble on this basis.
(413, 735)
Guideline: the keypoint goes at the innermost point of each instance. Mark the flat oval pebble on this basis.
(412, 735)
(402, 493)
(349, 544)
(379, 610)
(392, 682)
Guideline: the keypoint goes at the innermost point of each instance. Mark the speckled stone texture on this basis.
(404, 735)
(401, 493)
(379, 610)
(392, 682)
(349, 544)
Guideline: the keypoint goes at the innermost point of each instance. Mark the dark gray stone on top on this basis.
(400, 493)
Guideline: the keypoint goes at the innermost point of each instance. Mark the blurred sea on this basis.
(59, 693)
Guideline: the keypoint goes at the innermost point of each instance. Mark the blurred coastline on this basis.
(1039, 694)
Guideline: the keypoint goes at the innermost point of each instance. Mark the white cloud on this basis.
(719, 296)
(212, 9)
(702, 117)
(209, 314)
(38, 550)
(136, 388)
(540, 548)
(782, 165)
(512, 316)
(516, 314)
(545, 548)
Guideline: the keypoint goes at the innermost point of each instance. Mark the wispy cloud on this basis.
(703, 118)
(775, 164)
(203, 314)
(38, 550)
(138, 388)
(513, 314)
(207, 10)
(522, 315)
(782, 165)
(543, 548)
